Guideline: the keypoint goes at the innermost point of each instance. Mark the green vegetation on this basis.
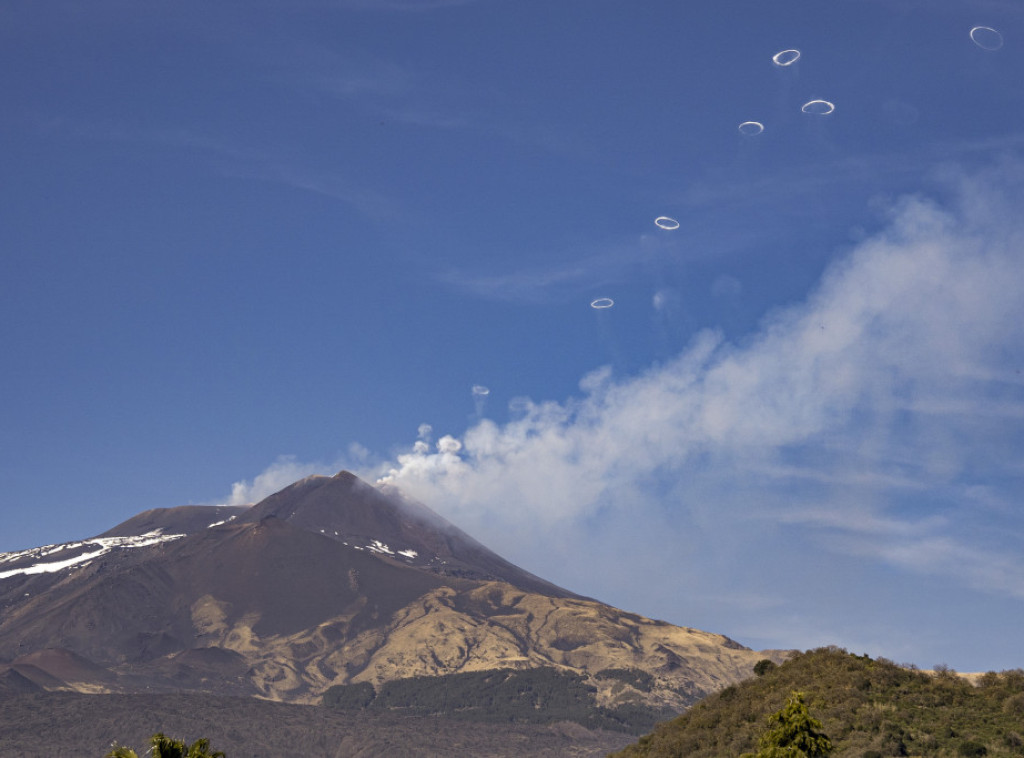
(166, 747)
(542, 695)
(870, 708)
(353, 697)
(793, 733)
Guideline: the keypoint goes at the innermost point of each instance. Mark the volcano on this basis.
(330, 582)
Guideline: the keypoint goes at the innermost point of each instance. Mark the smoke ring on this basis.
(785, 58)
(986, 38)
(818, 107)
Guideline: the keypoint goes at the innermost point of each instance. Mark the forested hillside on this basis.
(870, 708)
(70, 723)
(539, 696)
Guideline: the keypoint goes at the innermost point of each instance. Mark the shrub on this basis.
(640, 680)
(349, 696)
(970, 748)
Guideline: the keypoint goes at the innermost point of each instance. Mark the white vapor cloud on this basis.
(275, 477)
(853, 423)
(846, 470)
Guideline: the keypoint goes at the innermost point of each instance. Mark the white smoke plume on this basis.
(858, 420)
(813, 483)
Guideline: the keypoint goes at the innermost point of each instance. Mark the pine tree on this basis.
(794, 733)
(120, 751)
(162, 746)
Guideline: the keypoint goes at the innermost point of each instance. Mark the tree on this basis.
(794, 733)
(120, 751)
(763, 666)
(166, 747)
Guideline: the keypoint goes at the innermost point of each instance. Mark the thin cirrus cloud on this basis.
(576, 274)
(349, 74)
(860, 416)
(415, 6)
(394, 92)
(264, 163)
(973, 566)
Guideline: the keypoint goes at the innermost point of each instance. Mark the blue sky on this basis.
(245, 242)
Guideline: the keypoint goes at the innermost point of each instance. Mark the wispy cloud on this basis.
(267, 163)
(891, 385)
(707, 206)
(415, 6)
(872, 428)
(287, 469)
(972, 565)
(347, 73)
(534, 285)
(299, 175)
(576, 273)
(395, 90)
(274, 478)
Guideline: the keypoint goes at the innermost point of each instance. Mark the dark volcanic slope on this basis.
(185, 519)
(346, 508)
(218, 597)
(13, 682)
(244, 727)
(135, 605)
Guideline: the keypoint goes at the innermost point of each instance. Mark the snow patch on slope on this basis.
(379, 547)
(218, 523)
(100, 545)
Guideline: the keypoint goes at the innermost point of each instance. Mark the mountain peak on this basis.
(345, 508)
